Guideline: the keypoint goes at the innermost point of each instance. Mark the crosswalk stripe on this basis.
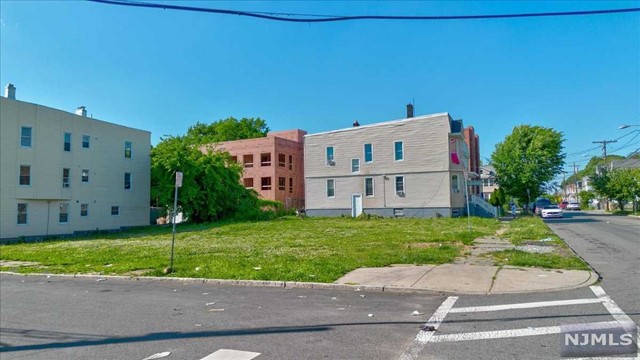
(226, 354)
(524, 305)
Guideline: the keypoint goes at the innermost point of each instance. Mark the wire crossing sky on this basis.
(330, 18)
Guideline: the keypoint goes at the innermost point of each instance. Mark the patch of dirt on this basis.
(140, 272)
(12, 263)
(501, 231)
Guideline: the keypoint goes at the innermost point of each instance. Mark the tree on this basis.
(585, 198)
(497, 199)
(528, 160)
(211, 188)
(622, 185)
(226, 130)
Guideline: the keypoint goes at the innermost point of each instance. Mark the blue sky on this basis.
(163, 70)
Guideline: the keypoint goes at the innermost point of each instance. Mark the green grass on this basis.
(550, 261)
(286, 249)
(529, 228)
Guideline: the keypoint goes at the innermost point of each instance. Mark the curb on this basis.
(594, 276)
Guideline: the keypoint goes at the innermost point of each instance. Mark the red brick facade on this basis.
(473, 144)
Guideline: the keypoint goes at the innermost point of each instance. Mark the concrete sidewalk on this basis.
(469, 279)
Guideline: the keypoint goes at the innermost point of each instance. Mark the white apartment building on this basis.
(413, 167)
(64, 173)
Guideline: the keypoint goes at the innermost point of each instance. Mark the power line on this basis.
(604, 147)
(329, 18)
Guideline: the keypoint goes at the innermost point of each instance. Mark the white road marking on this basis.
(501, 334)
(611, 306)
(158, 355)
(226, 354)
(525, 305)
(423, 337)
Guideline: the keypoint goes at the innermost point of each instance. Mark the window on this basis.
(248, 183)
(265, 159)
(368, 153)
(398, 212)
(398, 148)
(282, 183)
(330, 158)
(234, 159)
(85, 175)
(282, 159)
(64, 213)
(127, 181)
(22, 213)
(115, 210)
(25, 175)
(85, 141)
(265, 183)
(25, 136)
(455, 187)
(355, 165)
(291, 185)
(290, 162)
(331, 188)
(127, 149)
(368, 186)
(248, 161)
(400, 185)
(66, 177)
(84, 209)
(67, 141)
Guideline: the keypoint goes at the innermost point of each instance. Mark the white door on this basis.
(356, 205)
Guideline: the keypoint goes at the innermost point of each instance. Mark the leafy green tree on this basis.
(622, 185)
(211, 188)
(528, 160)
(585, 197)
(226, 130)
(497, 199)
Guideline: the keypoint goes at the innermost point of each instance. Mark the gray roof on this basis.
(626, 164)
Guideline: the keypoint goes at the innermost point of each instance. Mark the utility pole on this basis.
(575, 174)
(604, 152)
(604, 148)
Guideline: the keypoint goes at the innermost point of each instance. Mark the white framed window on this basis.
(84, 209)
(455, 184)
(115, 210)
(25, 175)
(85, 175)
(247, 160)
(400, 188)
(398, 150)
(63, 217)
(23, 212)
(282, 183)
(67, 141)
(368, 153)
(128, 146)
(127, 181)
(85, 141)
(25, 136)
(331, 188)
(368, 187)
(66, 177)
(265, 159)
(330, 156)
(355, 165)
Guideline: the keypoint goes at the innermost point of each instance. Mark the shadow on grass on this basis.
(82, 340)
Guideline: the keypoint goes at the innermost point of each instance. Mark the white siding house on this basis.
(63, 173)
(412, 167)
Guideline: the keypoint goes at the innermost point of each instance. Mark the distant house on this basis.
(64, 173)
(273, 165)
(413, 167)
(488, 177)
(625, 164)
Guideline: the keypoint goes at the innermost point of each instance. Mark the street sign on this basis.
(178, 179)
(474, 182)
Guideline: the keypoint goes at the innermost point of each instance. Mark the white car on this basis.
(551, 211)
(573, 206)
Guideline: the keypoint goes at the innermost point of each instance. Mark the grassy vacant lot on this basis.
(288, 249)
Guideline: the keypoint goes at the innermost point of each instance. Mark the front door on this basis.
(356, 205)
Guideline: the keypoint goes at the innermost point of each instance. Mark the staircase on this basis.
(480, 207)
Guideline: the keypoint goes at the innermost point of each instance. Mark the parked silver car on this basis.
(572, 205)
(551, 211)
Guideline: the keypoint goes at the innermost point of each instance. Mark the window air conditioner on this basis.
(331, 163)
(400, 193)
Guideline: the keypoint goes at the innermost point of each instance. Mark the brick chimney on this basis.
(10, 92)
(410, 110)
